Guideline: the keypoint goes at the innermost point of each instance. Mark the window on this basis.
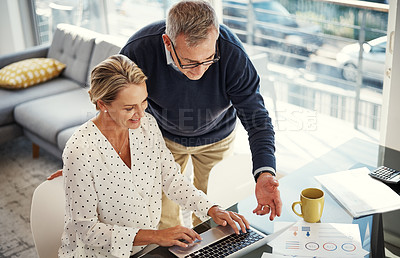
(313, 53)
(116, 17)
(312, 49)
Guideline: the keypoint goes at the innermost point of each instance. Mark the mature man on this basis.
(199, 80)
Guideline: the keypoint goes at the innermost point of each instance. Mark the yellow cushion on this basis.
(29, 72)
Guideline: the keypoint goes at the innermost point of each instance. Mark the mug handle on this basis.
(294, 210)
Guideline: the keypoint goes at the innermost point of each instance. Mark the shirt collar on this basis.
(170, 61)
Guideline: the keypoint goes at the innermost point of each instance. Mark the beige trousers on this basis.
(204, 158)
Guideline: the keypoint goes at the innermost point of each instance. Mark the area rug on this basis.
(20, 174)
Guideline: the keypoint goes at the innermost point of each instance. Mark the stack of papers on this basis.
(359, 193)
(317, 240)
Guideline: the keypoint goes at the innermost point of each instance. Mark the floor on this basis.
(301, 136)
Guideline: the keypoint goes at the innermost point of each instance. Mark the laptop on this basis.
(223, 242)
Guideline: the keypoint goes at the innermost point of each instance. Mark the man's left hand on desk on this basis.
(268, 196)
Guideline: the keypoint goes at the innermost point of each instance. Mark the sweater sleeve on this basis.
(243, 87)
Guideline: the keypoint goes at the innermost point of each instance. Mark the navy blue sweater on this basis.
(199, 112)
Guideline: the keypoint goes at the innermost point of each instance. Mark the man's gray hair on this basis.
(192, 18)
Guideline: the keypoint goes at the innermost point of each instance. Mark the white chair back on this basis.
(231, 180)
(47, 217)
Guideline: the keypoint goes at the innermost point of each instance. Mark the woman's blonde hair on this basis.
(192, 18)
(112, 75)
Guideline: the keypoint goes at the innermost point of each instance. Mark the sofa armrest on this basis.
(33, 52)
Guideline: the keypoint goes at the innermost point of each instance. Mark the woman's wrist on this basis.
(146, 237)
(213, 209)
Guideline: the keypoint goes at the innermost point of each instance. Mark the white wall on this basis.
(12, 39)
(390, 119)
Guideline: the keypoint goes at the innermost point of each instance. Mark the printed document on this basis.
(359, 193)
(318, 240)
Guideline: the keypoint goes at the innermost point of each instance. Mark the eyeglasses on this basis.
(193, 65)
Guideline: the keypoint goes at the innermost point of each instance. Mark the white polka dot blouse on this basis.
(107, 202)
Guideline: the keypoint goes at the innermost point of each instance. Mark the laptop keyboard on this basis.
(227, 245)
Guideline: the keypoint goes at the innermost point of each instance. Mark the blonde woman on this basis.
(116, 167)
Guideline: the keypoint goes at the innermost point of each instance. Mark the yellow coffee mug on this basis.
(311, 203)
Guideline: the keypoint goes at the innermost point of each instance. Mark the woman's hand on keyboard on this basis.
(167, 237)
(173, 236)
(224, 217)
